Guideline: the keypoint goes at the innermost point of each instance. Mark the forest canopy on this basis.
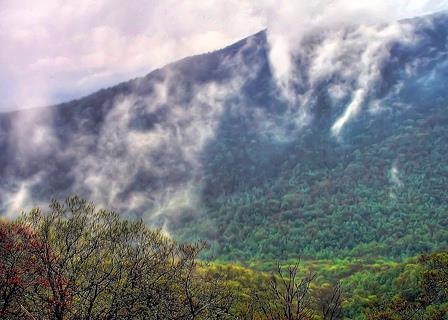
(79, 262)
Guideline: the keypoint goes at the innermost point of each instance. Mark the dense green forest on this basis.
(273, 191)
(78, 262)
(381, 192)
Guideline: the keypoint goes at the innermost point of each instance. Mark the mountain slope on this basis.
(347, 157)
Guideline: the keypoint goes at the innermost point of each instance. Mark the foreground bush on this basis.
(76, 262)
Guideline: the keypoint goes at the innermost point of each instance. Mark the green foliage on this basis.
(376, 192)
(90, 264)
(429, 300)
(78, 262)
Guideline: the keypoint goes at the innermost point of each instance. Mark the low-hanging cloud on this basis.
(357, 36)
(145, 158)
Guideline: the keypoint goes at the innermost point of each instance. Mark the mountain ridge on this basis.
(213, 147)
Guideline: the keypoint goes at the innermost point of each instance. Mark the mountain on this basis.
(346, 156)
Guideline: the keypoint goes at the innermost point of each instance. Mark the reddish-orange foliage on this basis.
(23, 275)
(17, 264)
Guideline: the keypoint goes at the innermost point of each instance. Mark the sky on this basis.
(53, 51)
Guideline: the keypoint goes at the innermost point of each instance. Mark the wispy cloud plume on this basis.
(356, 37)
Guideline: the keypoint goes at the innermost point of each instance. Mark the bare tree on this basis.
(287, 296)
(95, 265)
(204, 295)
(332, 306)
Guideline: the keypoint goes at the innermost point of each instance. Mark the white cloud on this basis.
(371, 44)
(395, 176)
(53, 50)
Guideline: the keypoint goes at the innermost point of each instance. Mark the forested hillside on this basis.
(378, 189)
(300, 173)
(347, 160)
(383, 192)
